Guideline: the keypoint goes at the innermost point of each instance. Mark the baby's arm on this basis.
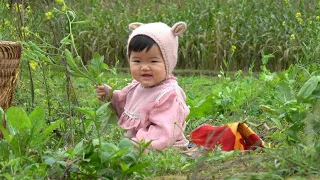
(167, 122)
(119, 98)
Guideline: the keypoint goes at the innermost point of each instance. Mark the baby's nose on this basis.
(145, 67)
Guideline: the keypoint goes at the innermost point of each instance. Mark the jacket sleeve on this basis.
(119, 98)
(167, 119)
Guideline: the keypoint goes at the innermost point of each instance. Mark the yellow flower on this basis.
(8, 6)
(284, 23)
(25, 30)
(318, 18)
(233, 48)
(292, 37)
(64, 8)
(33, 65)
(28, 9)
(49, 15)
(17, 7)
(298, 17)
(7, 22)
(59, 1)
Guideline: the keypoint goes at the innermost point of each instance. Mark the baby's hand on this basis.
(102, 91)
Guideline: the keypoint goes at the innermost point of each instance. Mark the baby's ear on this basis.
(134, 25)
(179, 28)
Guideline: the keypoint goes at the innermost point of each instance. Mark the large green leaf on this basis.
(293, 132)
(125, 143)
(97, 68)
(37, 120)
(5, 133)
(203, 108)
(18, 118)
(46, 133)
(87, 111)
(284, 92)
(78, 149)
(130, 157)
(97, 65)
(19, 142)
(316, 93)
(307, 89)
(103, 108)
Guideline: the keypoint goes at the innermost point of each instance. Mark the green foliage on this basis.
(303, 160)
(23, 133)
(94, 160)
(171, 161)
(100, 118)
(310, 89)
(25, 138)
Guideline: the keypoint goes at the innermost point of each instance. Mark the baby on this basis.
(153, 106)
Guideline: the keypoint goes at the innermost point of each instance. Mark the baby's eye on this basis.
(136, 61)
(154, 61)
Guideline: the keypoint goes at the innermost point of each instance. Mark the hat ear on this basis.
(134, 25)
(179, 28)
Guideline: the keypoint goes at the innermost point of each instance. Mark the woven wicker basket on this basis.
(10, 54)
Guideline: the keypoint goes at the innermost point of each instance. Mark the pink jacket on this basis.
(158, 113)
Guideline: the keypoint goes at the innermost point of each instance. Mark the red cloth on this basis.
(234, 136)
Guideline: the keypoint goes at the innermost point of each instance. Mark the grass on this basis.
(274, 162)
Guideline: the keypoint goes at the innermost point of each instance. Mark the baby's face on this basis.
(148, 68)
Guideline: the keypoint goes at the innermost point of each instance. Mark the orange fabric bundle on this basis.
(234, 136)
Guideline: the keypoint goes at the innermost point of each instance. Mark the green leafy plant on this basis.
(26, 132)
(25, 138)
(90, 159)
(310, 91)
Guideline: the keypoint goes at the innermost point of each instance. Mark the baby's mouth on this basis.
(146, 75)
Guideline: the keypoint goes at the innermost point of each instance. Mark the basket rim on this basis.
(10, 43)
(14, 42)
